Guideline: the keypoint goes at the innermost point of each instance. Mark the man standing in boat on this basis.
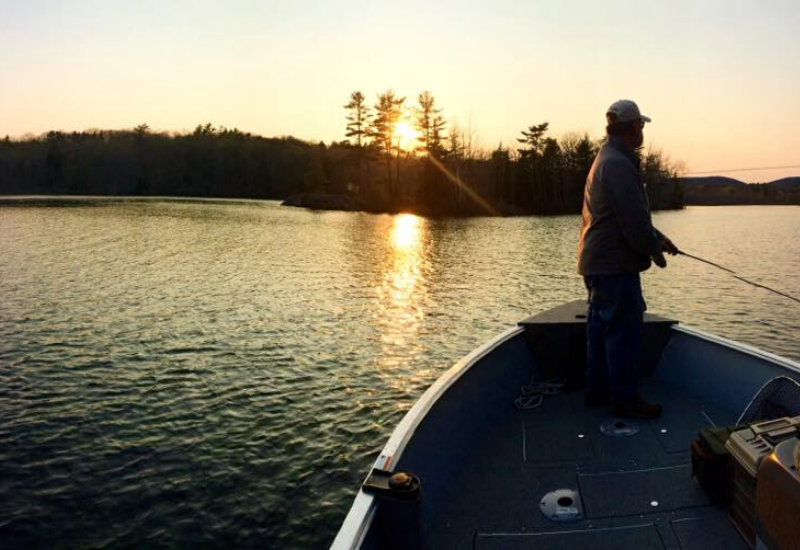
(617, 242)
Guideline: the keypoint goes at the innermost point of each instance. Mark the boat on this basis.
(480, 472)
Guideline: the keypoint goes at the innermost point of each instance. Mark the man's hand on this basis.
(660, 260)
(667, 246)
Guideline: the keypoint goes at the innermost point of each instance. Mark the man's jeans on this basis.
(614, 333)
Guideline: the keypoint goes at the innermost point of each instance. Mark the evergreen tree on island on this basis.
(357, 126)
(387, 113)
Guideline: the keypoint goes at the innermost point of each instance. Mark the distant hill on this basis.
(786, 183)
(720, 190)
(711, 181)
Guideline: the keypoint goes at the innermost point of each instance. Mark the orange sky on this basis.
(719, 79)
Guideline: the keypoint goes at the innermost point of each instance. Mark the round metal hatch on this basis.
(617, 427)
(562, 505)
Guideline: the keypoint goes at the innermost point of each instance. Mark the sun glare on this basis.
(407, 135)
(406, 231)
(402, 293)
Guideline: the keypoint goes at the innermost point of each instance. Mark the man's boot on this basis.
(637, 408)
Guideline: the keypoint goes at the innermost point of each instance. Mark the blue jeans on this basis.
(614, 322)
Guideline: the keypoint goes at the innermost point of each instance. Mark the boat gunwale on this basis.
(747, 349)
(358, 520)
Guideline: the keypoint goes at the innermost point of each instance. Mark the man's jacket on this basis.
(617, 235)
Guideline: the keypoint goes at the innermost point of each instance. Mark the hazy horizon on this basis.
(718, 79)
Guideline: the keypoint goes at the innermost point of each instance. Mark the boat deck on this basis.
(636, 491)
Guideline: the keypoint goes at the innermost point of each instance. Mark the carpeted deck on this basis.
(636, 491)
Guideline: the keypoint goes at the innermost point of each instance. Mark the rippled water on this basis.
(182, 373)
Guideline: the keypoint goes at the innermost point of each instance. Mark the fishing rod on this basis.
(681, 252)
(735, 276)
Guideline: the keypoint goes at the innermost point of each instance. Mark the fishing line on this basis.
(735, 276)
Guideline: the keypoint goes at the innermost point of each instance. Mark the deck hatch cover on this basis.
(617, 427)
(562, 505)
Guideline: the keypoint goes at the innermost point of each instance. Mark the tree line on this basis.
(447, 172)
(395, 157)
(208, 162)
(717, 190)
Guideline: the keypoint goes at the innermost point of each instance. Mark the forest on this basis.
(719, 191)
(394, 157)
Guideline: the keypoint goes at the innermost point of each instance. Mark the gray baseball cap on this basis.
(624, 110)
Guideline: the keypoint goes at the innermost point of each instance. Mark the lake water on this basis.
(206, 373)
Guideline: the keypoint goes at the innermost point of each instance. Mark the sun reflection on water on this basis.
(406, 231)
(402, 290)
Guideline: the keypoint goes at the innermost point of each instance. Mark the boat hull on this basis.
(467, 442)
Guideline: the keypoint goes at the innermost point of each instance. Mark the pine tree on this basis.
(530, 159)
(357, 118)
(430, 123)
(387, 113)
(357, 126)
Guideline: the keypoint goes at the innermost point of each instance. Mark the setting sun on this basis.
(406, 134)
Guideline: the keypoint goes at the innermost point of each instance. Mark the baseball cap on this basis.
(624, 110)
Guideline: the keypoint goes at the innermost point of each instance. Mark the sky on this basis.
(721, 80)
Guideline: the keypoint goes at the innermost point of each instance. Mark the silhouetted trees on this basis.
(578, 152)
(501, 174)
(357, 118)
(433, 190)
(442, 174)
(382, 131)
(430, 123)
(718, 190)
(209, 162)
(530, 166)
